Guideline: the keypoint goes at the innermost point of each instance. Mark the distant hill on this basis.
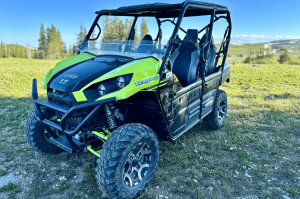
(15, 50)
(293, 47)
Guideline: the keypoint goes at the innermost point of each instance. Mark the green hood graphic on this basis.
(145, 74)
(66, 63)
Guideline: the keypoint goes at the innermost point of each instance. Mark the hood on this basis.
(78, 75)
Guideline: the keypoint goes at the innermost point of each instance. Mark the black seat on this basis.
(185, 59)
(210, 69)
(143, 47)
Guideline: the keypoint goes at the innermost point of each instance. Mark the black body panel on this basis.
(77, 76)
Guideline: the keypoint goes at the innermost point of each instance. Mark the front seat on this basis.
(185, 59)
(145, 44)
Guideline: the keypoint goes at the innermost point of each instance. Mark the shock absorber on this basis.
(110, 117)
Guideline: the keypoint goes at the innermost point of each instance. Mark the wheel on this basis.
(216, 119)
(128, 161)
(37, 137)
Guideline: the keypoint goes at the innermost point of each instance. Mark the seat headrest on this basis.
(212, 44)
(191, 37)
(147, 38)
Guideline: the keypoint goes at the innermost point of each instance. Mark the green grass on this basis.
(11, 188)
(2, 172)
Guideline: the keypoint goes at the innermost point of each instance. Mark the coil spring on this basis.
(110, 117)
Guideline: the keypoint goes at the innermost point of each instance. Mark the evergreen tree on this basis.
(55, 46)
(71, 52)
(80, 37)
(9, 52)
(33, 51)
(1, 46)
(285, 57)
(42, 44)
(28, 51)
(116, 29)
(74, 49)
(144, 29)
(3, 49)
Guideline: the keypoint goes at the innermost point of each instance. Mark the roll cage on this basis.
(162, 10)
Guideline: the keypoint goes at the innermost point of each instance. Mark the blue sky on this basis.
(253, 21)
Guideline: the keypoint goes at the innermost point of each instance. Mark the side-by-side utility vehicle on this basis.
(119, 98)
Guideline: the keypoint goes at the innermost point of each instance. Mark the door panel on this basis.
(208, 102)
(192, 114)
(183, 111)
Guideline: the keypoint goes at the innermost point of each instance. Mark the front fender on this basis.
(145, 74)
(64, 64)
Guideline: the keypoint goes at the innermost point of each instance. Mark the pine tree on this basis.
(74, 49)
(144, 29)
(9, 52)
(3, 49)
(116, 29)
(1, 46)
(28, 51)
(285, 57)
(55, 46)
(33, 51)
(41, 54)
(71, 52)
(80, 37)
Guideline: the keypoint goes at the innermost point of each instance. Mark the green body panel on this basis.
(144, 71)
(66, 63)
(79, 96)
(100, 134)
(93, 151)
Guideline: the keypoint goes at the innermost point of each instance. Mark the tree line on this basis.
(266, 56)
(15, 50)
(117, 29)
(51, 46)
(258, 55)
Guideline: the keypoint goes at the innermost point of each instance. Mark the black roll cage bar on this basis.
(223, 48)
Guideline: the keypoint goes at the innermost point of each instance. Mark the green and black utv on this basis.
(118, 98)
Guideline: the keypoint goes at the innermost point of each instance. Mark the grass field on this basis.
(255, 155)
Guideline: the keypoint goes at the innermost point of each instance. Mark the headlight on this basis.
(121, 82)
(107, 86)
(102, 90)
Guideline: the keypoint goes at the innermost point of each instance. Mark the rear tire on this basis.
(216, 118)
(36, 135)
(128, 161)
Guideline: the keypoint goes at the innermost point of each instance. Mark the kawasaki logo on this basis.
(156, 77)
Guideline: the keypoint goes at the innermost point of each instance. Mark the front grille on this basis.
(62, 98)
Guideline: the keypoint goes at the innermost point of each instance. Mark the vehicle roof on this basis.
(166, 10)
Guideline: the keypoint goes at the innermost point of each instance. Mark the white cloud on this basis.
(252, 38)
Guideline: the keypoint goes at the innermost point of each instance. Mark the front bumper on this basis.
(68, 143)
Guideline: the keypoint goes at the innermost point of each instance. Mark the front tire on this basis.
(37, 137)
(128, 161)
(216, 118)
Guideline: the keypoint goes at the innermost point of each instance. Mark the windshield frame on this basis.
(184, 12)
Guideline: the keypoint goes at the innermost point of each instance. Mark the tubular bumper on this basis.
(68, 113)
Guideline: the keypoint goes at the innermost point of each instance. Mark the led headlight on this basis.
(102, 90)
(121, 82)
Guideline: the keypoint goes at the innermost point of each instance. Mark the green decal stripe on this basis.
(163, 84)
(153, 89)
(142, 70)
(66, 63)
(79, 96)
(100, 134)
(93, 151)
